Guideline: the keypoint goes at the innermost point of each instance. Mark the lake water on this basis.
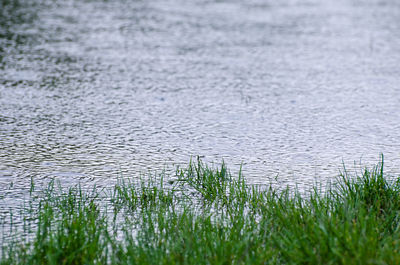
(94, 90)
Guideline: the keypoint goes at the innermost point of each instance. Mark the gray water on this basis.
(94, 90)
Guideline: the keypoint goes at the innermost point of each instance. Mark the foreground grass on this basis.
(209, 217)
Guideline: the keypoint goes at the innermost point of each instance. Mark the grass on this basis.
(207, 216)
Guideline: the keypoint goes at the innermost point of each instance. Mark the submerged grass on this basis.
(207, 216)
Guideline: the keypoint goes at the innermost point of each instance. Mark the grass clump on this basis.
(207, 216)
(69, 230)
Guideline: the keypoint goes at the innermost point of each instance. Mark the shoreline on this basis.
(208, 216)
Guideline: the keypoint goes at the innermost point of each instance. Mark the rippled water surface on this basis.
(92, 90)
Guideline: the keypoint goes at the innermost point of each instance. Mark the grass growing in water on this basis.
(210, 217)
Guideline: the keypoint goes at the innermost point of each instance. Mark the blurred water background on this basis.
(95, 90)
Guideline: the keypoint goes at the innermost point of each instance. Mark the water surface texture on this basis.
(92, 90)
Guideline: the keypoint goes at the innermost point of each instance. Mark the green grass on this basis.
(208, 216)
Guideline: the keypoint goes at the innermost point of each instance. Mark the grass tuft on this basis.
(209, 216)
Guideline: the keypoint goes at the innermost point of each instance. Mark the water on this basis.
(93, 90)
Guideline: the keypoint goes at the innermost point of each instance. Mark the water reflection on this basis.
(91, 90)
